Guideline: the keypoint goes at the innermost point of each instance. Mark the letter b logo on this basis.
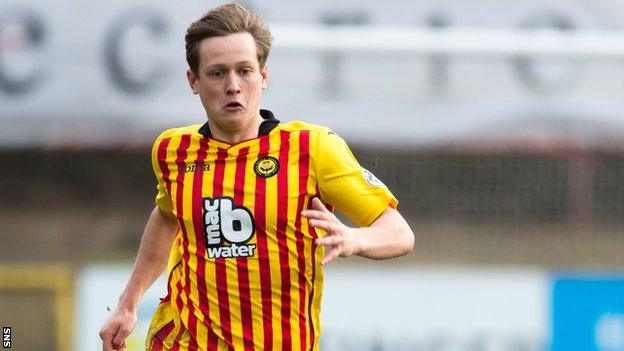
(236, 224)
(222, 220)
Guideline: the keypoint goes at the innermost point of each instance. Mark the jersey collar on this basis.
(266, 126)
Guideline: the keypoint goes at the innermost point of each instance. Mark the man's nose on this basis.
(232, 84)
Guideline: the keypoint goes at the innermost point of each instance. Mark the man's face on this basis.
(229, 82)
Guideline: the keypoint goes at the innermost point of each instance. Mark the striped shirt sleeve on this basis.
(159, 165)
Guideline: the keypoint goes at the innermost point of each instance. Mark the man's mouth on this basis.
(233, 106)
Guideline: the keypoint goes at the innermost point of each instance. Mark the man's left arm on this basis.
(387, 237)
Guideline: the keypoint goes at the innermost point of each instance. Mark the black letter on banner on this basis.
(22, 34)
(547, 77)
(118, 72)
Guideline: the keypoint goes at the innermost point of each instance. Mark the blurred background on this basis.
(499, 126)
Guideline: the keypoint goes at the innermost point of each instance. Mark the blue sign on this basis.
(588, 314)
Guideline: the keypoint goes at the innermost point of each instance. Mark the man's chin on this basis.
(233, 121)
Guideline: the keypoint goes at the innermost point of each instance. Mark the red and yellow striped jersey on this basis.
(244, 272)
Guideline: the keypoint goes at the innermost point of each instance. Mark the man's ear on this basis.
(192, 80)
(264, 72)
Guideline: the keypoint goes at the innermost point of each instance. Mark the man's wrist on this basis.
(362, 239)
(127, 303)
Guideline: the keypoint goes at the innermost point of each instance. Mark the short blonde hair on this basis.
(225, 20)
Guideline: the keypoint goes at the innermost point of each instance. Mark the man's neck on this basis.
(234, 137)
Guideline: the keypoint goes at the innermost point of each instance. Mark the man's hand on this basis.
(116, 329)
(387, 237)
(342, 240)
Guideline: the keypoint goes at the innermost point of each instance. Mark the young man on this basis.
(240, 212)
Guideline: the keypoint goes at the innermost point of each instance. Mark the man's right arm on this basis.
(158, 237)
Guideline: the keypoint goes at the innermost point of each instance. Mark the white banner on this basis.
(387, 308)
(113, 72)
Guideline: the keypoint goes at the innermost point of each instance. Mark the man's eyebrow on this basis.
(222, 65)
(215, 65)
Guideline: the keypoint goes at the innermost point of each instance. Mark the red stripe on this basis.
(181, 156)
(221, 269)
(304, 162)
(202, 290)
(157, 345)
(192, 319)
(166, 330)
(162, 163)
(243, 272)
(166, 176)
(239, 177)
(176, 342)
(161, 335)
(311, 295)
(282, 241)
(263, 252)
(201, 261)
(179, 305)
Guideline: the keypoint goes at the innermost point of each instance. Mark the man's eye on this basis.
(246, 71)
(216, 74)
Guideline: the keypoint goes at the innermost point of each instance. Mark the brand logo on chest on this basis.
(196, 168)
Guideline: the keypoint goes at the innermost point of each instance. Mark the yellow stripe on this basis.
(174, 173)
(230, 263)
(186, 202)
(222, 345)
(308, 243)
(252, 263)
(189, 179)
(209, 272)
(184, 340)
(176, 275)
(171, 156)
(318, 289)
(272, 246)
(293, 262)
(314, 309)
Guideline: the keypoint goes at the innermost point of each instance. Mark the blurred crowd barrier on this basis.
(557, 207)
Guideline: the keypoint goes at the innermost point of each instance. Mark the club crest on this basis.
(266, 167)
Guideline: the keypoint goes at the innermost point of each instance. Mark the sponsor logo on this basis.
(228, 228)
(371, 179)
(196, 168)
(266, 167)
